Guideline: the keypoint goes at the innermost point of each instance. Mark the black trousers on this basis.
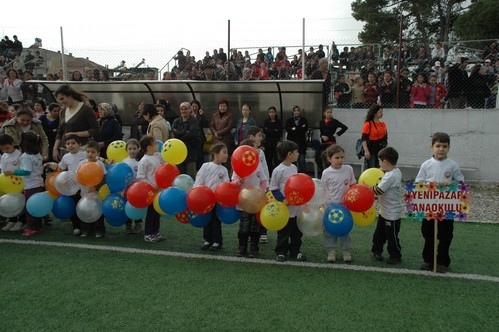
(444, 236)
(151, 225)
(212, 232)
(289, 239)
(97, 226)
(387, 231)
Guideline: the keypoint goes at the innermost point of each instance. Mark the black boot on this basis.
(243, 245)
(255, 239)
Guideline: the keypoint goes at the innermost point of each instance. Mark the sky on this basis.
(107, 32)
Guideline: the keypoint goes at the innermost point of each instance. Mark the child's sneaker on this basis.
(331, 256)
(426, 266)
(393, 260)
(280, 258)
(377, 257)
(215, 246)
(347, 258)
(442, 269)
(301, 257)
(99, 235)
(264, 239)
(253, 254)
(84, 234)
(151, 238)
(8, 226)
(128, 229)
(17, 227)
(137, 229)
(160, 237)
(76, 231)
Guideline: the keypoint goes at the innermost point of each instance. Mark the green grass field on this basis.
(57, 282)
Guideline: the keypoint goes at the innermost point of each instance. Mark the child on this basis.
(288, 238)
(358, 93)
(70, 162)
(255, 134)
(132, 148)
(390, 208)
(31, 168)
(248, 225)
(10, 161)
(211, 174)
(97, 227)
(146, 169)
(437, 93)
(438, 169)
(328, 128)
(336, 180)
(420, 92)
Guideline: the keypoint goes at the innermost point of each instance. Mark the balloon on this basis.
(358, 198)
(227, 193)
(227, 215)
(160, 144)
(12, 205)
(338, 220)
(252, 199)
(113, 209)
(65, 183)
(89, 174)
(174, 151)
(199, 220)
(310, 220)
(319, 194)
(119, 176)
(39, 204)
(11, 184)
(156, 206)
(165, 174)
(135, 213)
(89, 208)
(365, 218)
(116, 151)
(64, 207)
(184, 182)
(183, 217)
(140, 194)
(50, 183)
(371, 177)
(103, 192)
(244, 160)
(200, 199)
(172, 200)
(299, 189)
(274, 216)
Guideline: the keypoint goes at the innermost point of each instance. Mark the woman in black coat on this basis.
(109, 128)
(478, 90)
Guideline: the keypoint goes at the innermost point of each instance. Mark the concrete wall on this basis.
(474, 138)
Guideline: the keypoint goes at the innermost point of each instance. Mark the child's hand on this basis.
(241, 180)
(8, 172)
(446, 182)
(51, 165)
(285, 201)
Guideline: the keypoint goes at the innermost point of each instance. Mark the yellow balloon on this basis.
(156, 206)
(274, 216)
(11, 184)
(365, 218)
(371, 177)
(116, 151)
(174, 151)
(103, 191)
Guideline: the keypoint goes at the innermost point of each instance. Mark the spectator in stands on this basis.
(405, 89)
(320, 52)
(439, 71)
(221, 55)
(8, 48)
(246, 74)
(420, 91)
(353, 59)
(209, 73)
(263, 72)
(437, 53)
(342, 92)
(77, 76)
(358, 93)
(489, 73)
(18, 65)
(457, 83)
(269, 55)
(296, 129)
(284, 67)
(422, 58)
(478, 90)
(311, 65)
(489, 49)
(387, 90)
(311, 54)
(17, 46)
(437, 93)
(229, 73)
(181, 60)
(12, 84)
(4, 113)
(295, 65)
(367, 69)
(29, 63)
(322, 73)
(89, 75)
(103, 75)
(260, 56)
(406, 56)
(30, 90)
(335, 53)
(39, 108)
(273, 71)
(387, 58)
(109, 128)
(50, 124)
(371, 90)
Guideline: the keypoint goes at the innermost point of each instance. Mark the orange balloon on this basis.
(89, 174)
(50, 184)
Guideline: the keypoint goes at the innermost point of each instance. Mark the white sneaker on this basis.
(331, 256)
(347, 257)
(17, 227)
(8, 226)
(264, 239)
(76, 231)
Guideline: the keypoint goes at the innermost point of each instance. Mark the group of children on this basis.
(144, 159)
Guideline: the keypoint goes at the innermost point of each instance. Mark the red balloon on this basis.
(227, 193)
(244, 160)
(165, 174)
(200, 200)
(299, 189)
(183, 217)
(358, 198)
(140, 194)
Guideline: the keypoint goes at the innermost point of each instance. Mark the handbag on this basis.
(359, 149)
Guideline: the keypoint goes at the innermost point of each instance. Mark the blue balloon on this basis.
(227, 215)
(113, 209)
(39, 204)
(160, 145)
(172, 200)
(64, 207)
(135, 213)
(199, 220)
(119, 176)
(338, 220)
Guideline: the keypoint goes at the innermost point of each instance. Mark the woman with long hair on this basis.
(374, 136)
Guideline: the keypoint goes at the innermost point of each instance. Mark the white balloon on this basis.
(65, 183)
(89, 208)
(12, 205)
(184, 182)
(319, 197)
(310, 219)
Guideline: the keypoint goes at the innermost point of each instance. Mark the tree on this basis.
(479, 22)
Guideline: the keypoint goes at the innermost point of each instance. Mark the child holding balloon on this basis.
(149, 162)
(288, 238)
(336, 180)
(132, 148)
(390, 208)
(211, 174)
(31, 169)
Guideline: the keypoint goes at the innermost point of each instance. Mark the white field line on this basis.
(465, 276)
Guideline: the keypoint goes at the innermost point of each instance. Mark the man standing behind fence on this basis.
(458, 78)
